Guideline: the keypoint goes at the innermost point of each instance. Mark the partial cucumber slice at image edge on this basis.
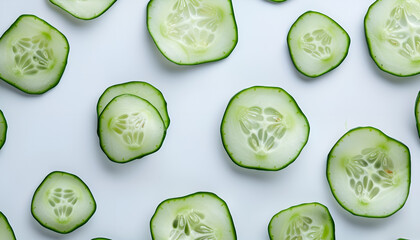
(317, 44)
(391, 28)
(85, 10)
(3, 129)
(62, 202)
(263, 128)
(305, 221)
(101, 238)
(130, 128)
(189, 33)
(201, 215)
(141, 89)
(6, 231)
(417, 113)
(34, 55)
(369, 173)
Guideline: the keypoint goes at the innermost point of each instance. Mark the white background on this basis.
(57, 130)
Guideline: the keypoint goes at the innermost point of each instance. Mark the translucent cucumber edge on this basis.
(75, 227)
(369, 45)
(409, 172)
(64, 62)
(76, 16)
(142, 82)
(299, 205)
(416, 113)
(332, 67)
(299, 110)
(3, 138)
(224, 204)
(150, 3)
(9, 227)
(137, 157)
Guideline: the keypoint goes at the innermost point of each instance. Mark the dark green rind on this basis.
(3, 217)
(196, 63)
(417, 113)
(388, 137)
(4, 134)
(332, 67)
(75, 15)
(223, 204)
(167, 123)
(303, 204)
(137, 157)
(100, 238)
(225, 145)
(64, 62)
(84, 221)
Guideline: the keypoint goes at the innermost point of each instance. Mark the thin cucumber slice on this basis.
(129, 128)
(264, 128)
(34, 55)
(369, 173)
(3, 129)
(317, 44)
(101, 238)
(140, 89)
(201, 215)
(6, 231)
(84, 9)
(62, 202)
(192, 31)
(307, 221)
(416, 113)
(391, 29)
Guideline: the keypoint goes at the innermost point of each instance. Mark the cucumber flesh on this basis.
(6, 231)
(264, 128)
(417, 113)
(305, 222)
(84, 9)
(62, 202)
(34, 55)
(192, 31)
(129, 128)
(201, 215)
(391, 28)
(140, 89)
(369, 173)
(317, 44)
(3, 129)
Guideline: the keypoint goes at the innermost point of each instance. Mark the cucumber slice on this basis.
(305, 222)
(317, 44)
(6, 231)
(129, 128)
(264, 128)
(84, 9)
(140, 89)
(62, 202)
(101, 238)
(391, 29)
(34, 55)
(192, 31)
(369, 173)
(3, 129)
(417, 113)
(201, 215)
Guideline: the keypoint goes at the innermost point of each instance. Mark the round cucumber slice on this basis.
(317, 44)
(264, 128)
(193, 31)
(6, 231)
(3, 129)
(369, 173)
(416, 113)
(140, 89)
(391, 28)
(305, 222)
(84, 9)
(201, 215)
(129, 128)
(62, 202)
(34, 55)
